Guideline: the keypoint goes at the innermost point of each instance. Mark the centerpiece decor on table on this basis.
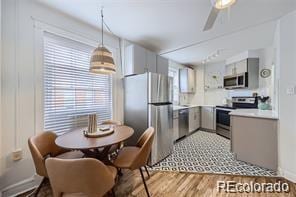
(92, 123)
(97, 131)
(263, 103)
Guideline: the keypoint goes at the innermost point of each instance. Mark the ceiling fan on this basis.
(218, 5)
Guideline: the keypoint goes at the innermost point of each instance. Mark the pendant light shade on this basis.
(101, 61)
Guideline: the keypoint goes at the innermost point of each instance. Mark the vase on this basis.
(92, 123)
(263, 106)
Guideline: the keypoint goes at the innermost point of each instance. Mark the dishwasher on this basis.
(183, 122)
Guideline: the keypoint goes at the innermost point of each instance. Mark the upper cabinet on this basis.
(241, 66)
(242, 74)
(139, 60)
(150, 61)
(162, 65)
(187, 80)
(237, 68)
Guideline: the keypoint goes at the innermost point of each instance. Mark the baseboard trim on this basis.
(20, 187)
(287, 175)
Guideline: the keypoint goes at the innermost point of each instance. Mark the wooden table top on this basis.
(75, 140)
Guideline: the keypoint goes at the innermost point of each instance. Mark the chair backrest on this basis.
(42, 146)
(145, 144)
(113, 122)
(88, 176)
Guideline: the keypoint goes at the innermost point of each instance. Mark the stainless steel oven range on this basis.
(223, 117)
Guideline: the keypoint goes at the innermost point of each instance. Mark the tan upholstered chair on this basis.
(81, 177)
(43, 146)
(115, 147)
(136, 157)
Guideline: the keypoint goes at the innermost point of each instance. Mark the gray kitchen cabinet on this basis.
(194, 119)
(237, 68)
(138, 60)
(187, 80)
(175, 125)
(230, 69)
(208, 119)
(151, 61)
(162, 65)
(241, 66)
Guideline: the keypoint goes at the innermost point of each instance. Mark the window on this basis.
(173, 72)
(70, 91)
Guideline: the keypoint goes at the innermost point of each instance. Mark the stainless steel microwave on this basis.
(236, 81)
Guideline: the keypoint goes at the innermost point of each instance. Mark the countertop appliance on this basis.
(223, 117)
(148, 102)
(183, 122)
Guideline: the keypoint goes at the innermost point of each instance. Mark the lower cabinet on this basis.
(262, 133)
(194, 118)
(208, 119)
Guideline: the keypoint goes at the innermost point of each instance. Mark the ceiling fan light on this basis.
(222, 4)
(101, 61)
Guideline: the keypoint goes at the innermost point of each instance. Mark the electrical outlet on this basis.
(291, 90)
(17, 154)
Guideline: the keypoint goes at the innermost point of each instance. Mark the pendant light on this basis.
(101, 61)
(222, 4)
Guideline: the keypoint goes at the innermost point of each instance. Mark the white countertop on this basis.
(178, 107)
(255, 113)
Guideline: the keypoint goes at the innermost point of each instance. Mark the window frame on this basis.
(176, 93)
(39, 29)
(59, 53)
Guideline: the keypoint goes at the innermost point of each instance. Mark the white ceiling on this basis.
(166, 25)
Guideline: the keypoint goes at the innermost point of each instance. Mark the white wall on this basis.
(287, 103)
(214, 95)
(23, 24)
(0, 84)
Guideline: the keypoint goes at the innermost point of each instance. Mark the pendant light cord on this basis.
(119, 39)
(102, 16)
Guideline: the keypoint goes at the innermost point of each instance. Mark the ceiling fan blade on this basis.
(211, 19)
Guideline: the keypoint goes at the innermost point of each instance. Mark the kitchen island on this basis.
(254, 136)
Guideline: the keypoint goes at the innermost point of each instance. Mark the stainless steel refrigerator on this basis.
(148, 102)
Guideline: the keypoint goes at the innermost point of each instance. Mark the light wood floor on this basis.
(174, 184)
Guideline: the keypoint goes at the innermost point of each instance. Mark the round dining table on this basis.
(94, 147)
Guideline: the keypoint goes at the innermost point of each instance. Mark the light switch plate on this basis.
(291, 90)
(17, 155)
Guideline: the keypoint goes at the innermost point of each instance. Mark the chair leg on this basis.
(37, 190)
(113, 192)
(147, 171)
(119, 172)
(146, 188)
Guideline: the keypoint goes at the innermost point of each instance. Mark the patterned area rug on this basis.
(206, 152)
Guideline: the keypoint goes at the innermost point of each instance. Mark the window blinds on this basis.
(71, 92)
